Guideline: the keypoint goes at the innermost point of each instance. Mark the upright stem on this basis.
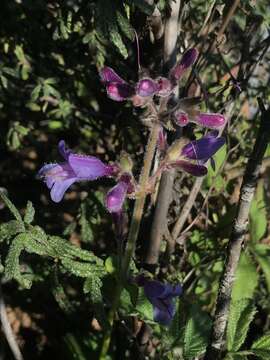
(133, 234)
(237, 237)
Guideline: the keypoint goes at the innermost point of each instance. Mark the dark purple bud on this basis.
(162, 297)
(165, 87)
(147, 87)
(181, 118)
(116, 197)
(108, 75)
(119, 92)
(204, 148)
(210, 120)
(190, 168)
(187, 60)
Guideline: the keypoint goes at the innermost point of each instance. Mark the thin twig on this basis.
(167, 178)
(237, 236)
(7, 329)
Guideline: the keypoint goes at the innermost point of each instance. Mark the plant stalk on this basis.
(133, 234)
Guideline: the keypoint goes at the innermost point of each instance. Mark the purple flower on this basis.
(117, 88)
(165, 86)
(147, 87)
(190, 168)
(59, 177)
(204, 148)
(116, 196)
(208, 120)
(187, 60)
(162, 297)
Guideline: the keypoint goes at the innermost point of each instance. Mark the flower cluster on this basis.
(188, 156)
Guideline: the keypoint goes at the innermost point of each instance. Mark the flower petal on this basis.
(187, 60)
(108, 75)
(88, 167)
(153, 289)
(59, 188)
(62, 149)
(164, 316)
(203, 148)
(119, 92)
(116, 197)
(147, 87)
(210, 120)
(165, 86)
(193, 169)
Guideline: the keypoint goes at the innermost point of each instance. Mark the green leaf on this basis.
(246, 279)
(262, 255)
(29, 213)
(11, 207)
(125, 25)
(241, 314)
(261, 347)
(142, 5)
(144, 307)
(196, 333)
(93, 285)
(257, 214)
(9, 229)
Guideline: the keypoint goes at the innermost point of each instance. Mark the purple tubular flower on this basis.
(190, 168)
(59, 177)
(116, 196)
(161, 297)
(119, 92)
(187, 60)
(210, 120)
(117, 88)
(147, 87)
(108, 75)
(204, 148)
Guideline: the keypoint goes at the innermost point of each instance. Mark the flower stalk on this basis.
(133, 233)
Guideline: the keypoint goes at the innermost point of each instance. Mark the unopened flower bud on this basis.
(181, 118)
(147, 87)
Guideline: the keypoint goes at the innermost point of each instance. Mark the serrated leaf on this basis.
(241, 314)
(29, 213)
(93, 285)
(117, 39)
(263, 343)
(9, 229)
(125, 25)
(246, 279)
(11, 207)
(144, 307)
(196, 333)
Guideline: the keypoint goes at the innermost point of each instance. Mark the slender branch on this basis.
(167, 178)
(7, 329)
(237, 236)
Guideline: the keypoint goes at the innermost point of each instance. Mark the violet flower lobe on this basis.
(117, 88)
(204, 148)
(208, 120)
(60, 176)
(162, 297)
(188, 59)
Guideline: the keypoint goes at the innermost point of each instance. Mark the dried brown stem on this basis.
(237, 237)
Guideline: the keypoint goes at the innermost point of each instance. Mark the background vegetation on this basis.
(57, 260)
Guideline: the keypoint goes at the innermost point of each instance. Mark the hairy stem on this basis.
(133, 234)
(237, 237)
